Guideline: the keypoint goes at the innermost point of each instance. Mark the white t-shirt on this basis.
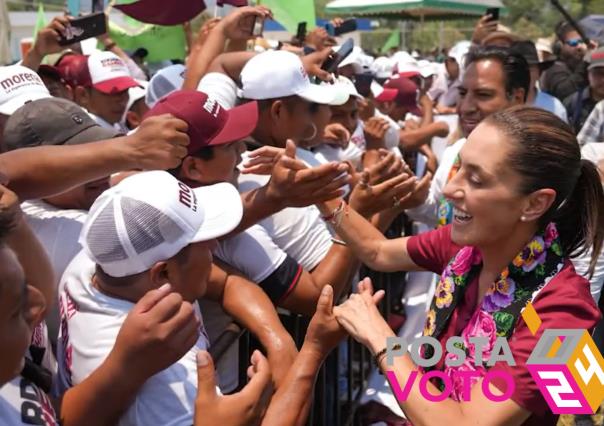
(593, 151)
(299, 232)
(90, 323)
(57, 229)
(24, 403)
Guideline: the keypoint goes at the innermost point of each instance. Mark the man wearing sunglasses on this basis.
(569, 73)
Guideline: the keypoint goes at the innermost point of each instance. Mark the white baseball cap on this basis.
(164, 82)
(151, 216)
(426, 68)
(382, 67)
(278, 74)
(18, 86)
(108, 73)
(135, 94)
(344, 89)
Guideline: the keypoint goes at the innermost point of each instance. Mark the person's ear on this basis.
(81, 96)
(518, 96)
(277, 110)
(189, 169)
(36, 306)
(133, 120)
(159, 274)
(537, 204)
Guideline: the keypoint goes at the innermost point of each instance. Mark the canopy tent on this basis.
(593, 25)
(415, 9)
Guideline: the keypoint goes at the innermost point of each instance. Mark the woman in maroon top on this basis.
(524, 201)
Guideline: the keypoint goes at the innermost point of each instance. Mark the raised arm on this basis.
(207, 48)
(369, 244)
(159, 143)
(247, 303)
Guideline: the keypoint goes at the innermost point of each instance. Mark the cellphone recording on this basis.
(83, 28)
(301, 32)
(257, 27)
(347, 26)
(335, 59)
(493, 12)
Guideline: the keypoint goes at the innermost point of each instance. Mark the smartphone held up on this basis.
(84, 27)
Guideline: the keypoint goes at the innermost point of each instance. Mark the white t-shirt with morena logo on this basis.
(90, 323)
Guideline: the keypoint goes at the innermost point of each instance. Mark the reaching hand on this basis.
(324, 333)
(159, 330)
(47, 39)
(419, 194)
(483, 28)
(361, 318)
(314, 61)
(237, 25)
(244, 408)
(368, 199)
(336, 134)
(317, 38)
(159, 143)
(292, 184)
(375, 129)
(262, 160)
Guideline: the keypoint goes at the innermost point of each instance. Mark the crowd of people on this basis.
(139, 217)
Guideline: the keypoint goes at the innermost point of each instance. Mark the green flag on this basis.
(394, 40)
(40, 20)
(162, 43)
(290, 13)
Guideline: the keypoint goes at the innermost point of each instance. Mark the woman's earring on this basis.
(523, 218)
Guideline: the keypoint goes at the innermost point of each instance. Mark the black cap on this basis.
(52, 121)
(527, 49)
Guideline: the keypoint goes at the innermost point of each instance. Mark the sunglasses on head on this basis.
(574, 42)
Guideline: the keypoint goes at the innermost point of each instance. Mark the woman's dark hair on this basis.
(546, 154)
(515, 68)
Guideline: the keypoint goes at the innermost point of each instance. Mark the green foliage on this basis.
(529, 18)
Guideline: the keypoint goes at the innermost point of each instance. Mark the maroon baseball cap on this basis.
(74, 69)
(104, 71)
(209, 123)
(406, 93)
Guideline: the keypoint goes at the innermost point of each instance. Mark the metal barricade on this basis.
(343, 377)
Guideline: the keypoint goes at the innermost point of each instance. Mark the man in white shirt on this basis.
(57, 220)
(493, 80)
(147, 232)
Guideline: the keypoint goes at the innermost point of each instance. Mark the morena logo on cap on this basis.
(212, 107)
(187, 197)
(18, 80)
(112, 63)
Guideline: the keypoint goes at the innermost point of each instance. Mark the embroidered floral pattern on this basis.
(500, 294)
(444, 293)
(430, 323)
(498, 313)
